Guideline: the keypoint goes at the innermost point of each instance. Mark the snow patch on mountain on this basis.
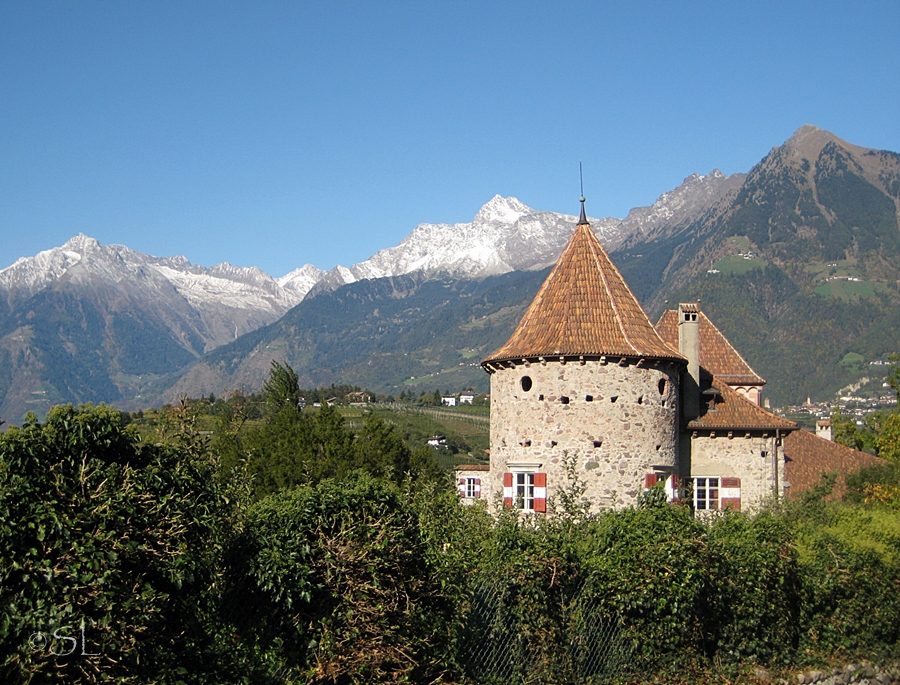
(505, 235)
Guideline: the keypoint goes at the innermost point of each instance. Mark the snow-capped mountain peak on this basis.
(507, 210)
(505, 235)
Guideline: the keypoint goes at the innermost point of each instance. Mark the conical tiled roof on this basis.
(584, 308)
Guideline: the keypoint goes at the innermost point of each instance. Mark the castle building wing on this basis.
(717, 354)
(584, 308)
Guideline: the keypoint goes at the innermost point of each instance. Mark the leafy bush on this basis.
(334, 582)
(108, 547)
(651, 569)
(757, 582)
(850, 603)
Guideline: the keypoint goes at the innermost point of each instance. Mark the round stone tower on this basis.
(584, 378)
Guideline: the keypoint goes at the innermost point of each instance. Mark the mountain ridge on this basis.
(103, 323)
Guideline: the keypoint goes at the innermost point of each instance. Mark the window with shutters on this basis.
(672, 485)
(470, 487)
(525, 490)
(712, 493)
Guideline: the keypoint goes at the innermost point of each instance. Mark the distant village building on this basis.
(467, 398)
(437, 441)
(586, 377)
(448, 400)
(358, 398)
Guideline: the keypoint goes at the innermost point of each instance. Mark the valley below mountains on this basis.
(796, 261)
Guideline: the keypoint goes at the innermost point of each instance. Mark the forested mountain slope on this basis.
(799, 266)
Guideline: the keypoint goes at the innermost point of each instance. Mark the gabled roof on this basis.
(717, 355)
(584, 308)
(808, 457)
(726, 409)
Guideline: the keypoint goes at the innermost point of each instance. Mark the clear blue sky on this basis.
(279, 133)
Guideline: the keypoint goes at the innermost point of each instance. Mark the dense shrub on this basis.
(108, 543)
(850, 573)
(651, 568)
(754, 613)
(850, 603)
(333, 581)
(387, 577)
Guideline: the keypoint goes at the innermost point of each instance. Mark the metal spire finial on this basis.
(583, 218)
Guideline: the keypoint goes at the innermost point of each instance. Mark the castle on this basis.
(586, 378)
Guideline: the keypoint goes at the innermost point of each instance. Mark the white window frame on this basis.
(523, 490)
(471, 487)
(707, 485)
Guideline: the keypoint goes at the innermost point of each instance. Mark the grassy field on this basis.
(850, 291)
(737, 265)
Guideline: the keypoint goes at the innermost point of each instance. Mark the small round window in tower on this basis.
(525, 383)
(662, 386)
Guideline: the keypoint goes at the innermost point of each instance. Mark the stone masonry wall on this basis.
(740, 456)
(619, 422)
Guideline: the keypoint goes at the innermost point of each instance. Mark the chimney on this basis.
(689, 346)
(823, 429)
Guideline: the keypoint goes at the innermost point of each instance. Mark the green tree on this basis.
(846, 432)
(380, 450)
(893, 378)
(887, 442)
(281, 390)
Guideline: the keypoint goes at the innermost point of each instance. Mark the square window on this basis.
(525, 490)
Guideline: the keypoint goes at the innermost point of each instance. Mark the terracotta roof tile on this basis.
(809, 457)
(727, 410)
(584, 308)
(717, 355)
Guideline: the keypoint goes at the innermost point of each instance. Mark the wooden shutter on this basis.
(477, 488)
(730, 494)
(507, 491)
(540, 492)
(461, 487)
(650, 480)
(672, 488)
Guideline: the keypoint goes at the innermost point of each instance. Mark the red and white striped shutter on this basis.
(730, 494)
(507, 490)
(478, 488)
(650, 480)
(461, 487)
(540, 492)
(672, 488)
